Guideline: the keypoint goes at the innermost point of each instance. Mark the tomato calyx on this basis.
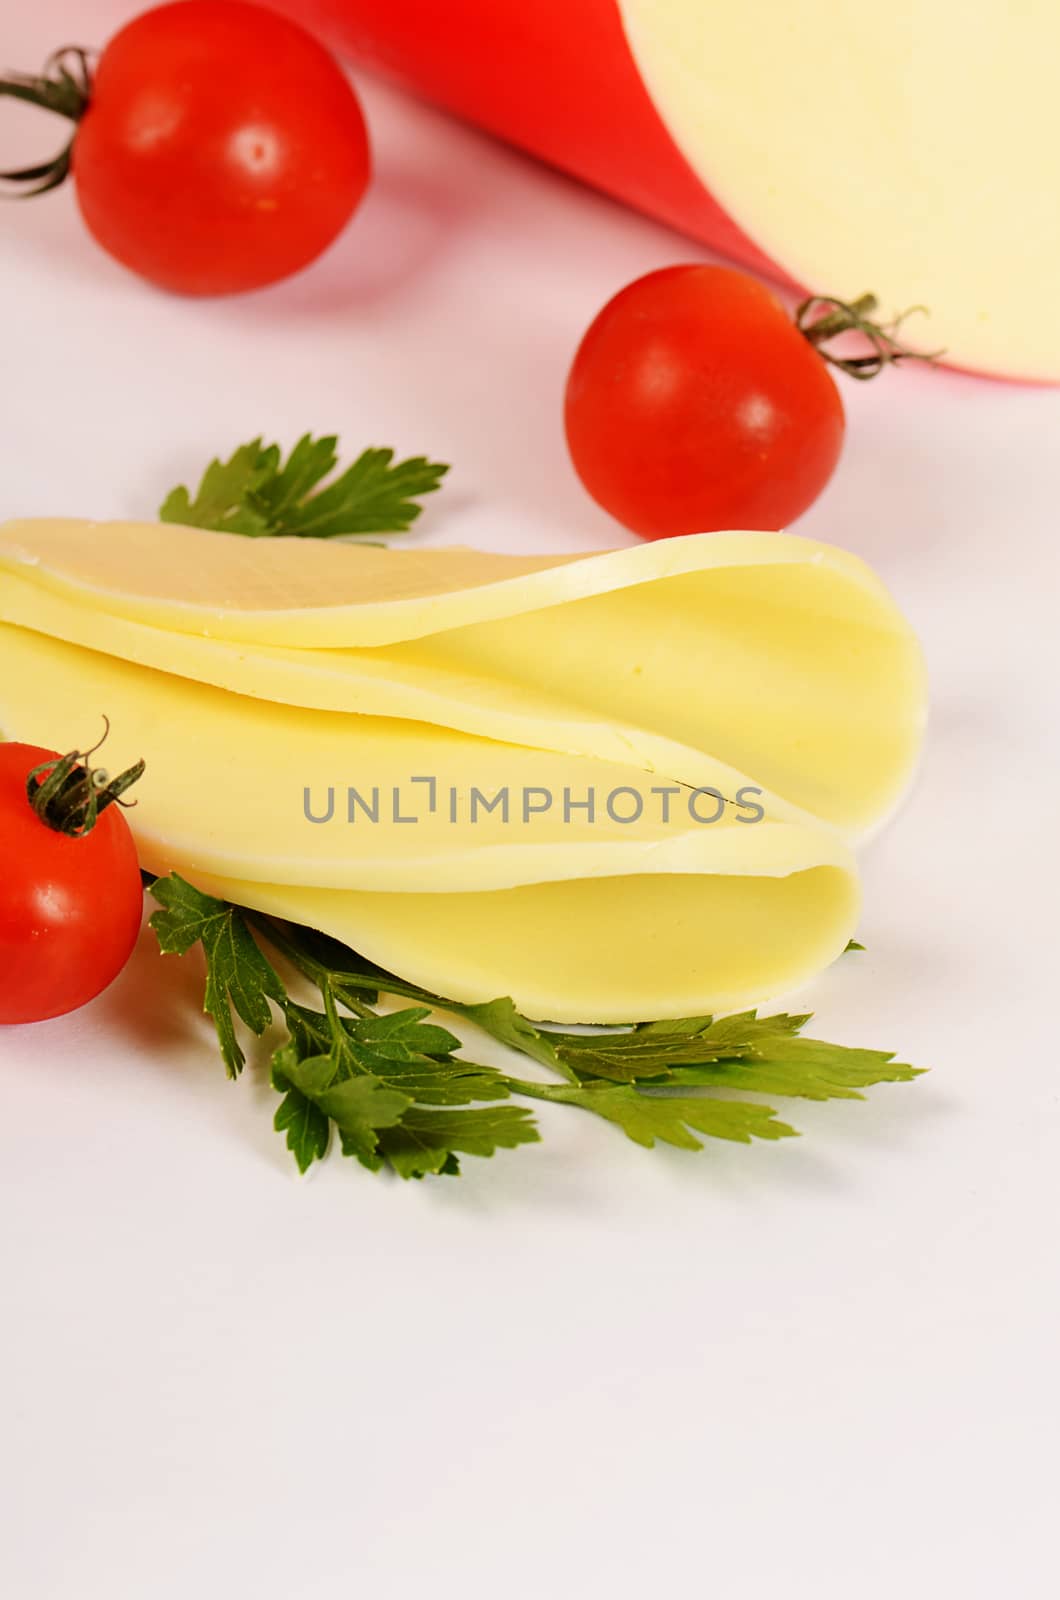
(69, 795)
(822, 317)
(65, 87)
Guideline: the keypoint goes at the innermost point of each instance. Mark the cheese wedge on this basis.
(764, 654)
(579, 917)
(914, 151)
(911, 149)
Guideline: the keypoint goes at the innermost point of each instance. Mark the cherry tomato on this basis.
(222, 147)
(70, 905)
(694, 404)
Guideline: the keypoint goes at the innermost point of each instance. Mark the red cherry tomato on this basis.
(222, 148)
(70, 906)
(694, 404)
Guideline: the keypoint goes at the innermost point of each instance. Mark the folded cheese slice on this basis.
(611, 949)
(764, 653)
(581, 917)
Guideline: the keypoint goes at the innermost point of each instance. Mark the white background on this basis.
(823, 1368)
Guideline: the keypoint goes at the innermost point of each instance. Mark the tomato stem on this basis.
(65, 87)
(823, 317)
(69, 795)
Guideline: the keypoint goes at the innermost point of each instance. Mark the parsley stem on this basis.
(274, 932)
(539, 1091)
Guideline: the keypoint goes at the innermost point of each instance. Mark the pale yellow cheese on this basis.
(580, 920)
(614, 949)
(911, 150)
(327, 729)
(373, 683)
(230, 779)
(320, 593)
(766, 654)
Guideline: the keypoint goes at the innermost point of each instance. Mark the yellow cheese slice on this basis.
(764, 653)
(374, 683)
(581, 919)
(613, 949)
(247, 788)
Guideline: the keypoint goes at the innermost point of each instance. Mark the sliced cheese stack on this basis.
(271, 682)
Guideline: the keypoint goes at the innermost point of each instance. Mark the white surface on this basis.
(824, 1368)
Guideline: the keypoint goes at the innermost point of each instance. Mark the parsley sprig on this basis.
(390, 1088)
(256, 492)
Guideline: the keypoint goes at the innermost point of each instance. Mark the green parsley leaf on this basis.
(404, 1036)
(225, 498)
(405, 1053)
(359, 1107)
(737, 1032)
(804, 1069)
(352, 978)
(394, 1090)
(238, 976)
(255, 492)
(443, 1083)
(653, 1049)
(357, 1103)
(307, 1128)
(427, 1141)
(644, 1118)
(502, 1022)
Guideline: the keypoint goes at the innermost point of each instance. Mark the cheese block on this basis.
(580, 917)
(912, 151)
(766, 657)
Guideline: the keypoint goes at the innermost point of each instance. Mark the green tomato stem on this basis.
(68, 795)
(65, 87)
(822, 317)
